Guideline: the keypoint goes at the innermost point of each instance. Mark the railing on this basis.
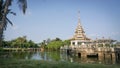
(91, 49)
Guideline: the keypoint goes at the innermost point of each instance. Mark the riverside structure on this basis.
(83, 46)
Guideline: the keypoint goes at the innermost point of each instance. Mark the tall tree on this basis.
(5, 10)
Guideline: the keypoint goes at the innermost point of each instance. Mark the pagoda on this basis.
(80, 41)
(79, 37)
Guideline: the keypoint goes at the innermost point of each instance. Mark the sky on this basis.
(58, 18)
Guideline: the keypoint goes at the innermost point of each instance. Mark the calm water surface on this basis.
(56, 56)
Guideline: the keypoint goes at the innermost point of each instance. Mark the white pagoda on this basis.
(79, 37)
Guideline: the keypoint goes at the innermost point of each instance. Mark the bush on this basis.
(1, 49)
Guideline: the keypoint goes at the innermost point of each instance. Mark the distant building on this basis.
(117, 44)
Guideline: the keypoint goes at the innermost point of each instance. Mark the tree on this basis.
(48, 41)
(6, 43)
(55, 45)
(4, 11)
(44, 43)
(19, 42)
(57, 39)
(32, 44)
(67, 42)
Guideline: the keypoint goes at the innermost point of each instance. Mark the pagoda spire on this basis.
(79, 22)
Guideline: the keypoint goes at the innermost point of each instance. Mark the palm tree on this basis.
(4, 11)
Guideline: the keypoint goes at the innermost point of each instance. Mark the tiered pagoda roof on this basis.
(79, 32)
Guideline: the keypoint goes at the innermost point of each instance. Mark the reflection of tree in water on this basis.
(29, 55)
(5, 55)
(55, 56)
(42, 55)
(65, 57)
(21, 55)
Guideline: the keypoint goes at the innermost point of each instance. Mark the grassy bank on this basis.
(9, 63)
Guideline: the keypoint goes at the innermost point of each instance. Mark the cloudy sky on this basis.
(58, 18)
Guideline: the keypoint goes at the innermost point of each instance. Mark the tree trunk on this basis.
(3, 22)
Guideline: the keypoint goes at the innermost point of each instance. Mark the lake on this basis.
(56, 56)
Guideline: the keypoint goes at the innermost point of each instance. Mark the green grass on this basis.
(13, 63)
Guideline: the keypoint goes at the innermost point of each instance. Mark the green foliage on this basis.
(14, 63)
(67, 42)
(5, 10)
(20, 42)
(55, 55)
(55, 45)
(57, 39)
(6, 43)
(1, 49)
(43, 44)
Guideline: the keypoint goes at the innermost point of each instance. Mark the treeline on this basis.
(54, 44)
(20, 42)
